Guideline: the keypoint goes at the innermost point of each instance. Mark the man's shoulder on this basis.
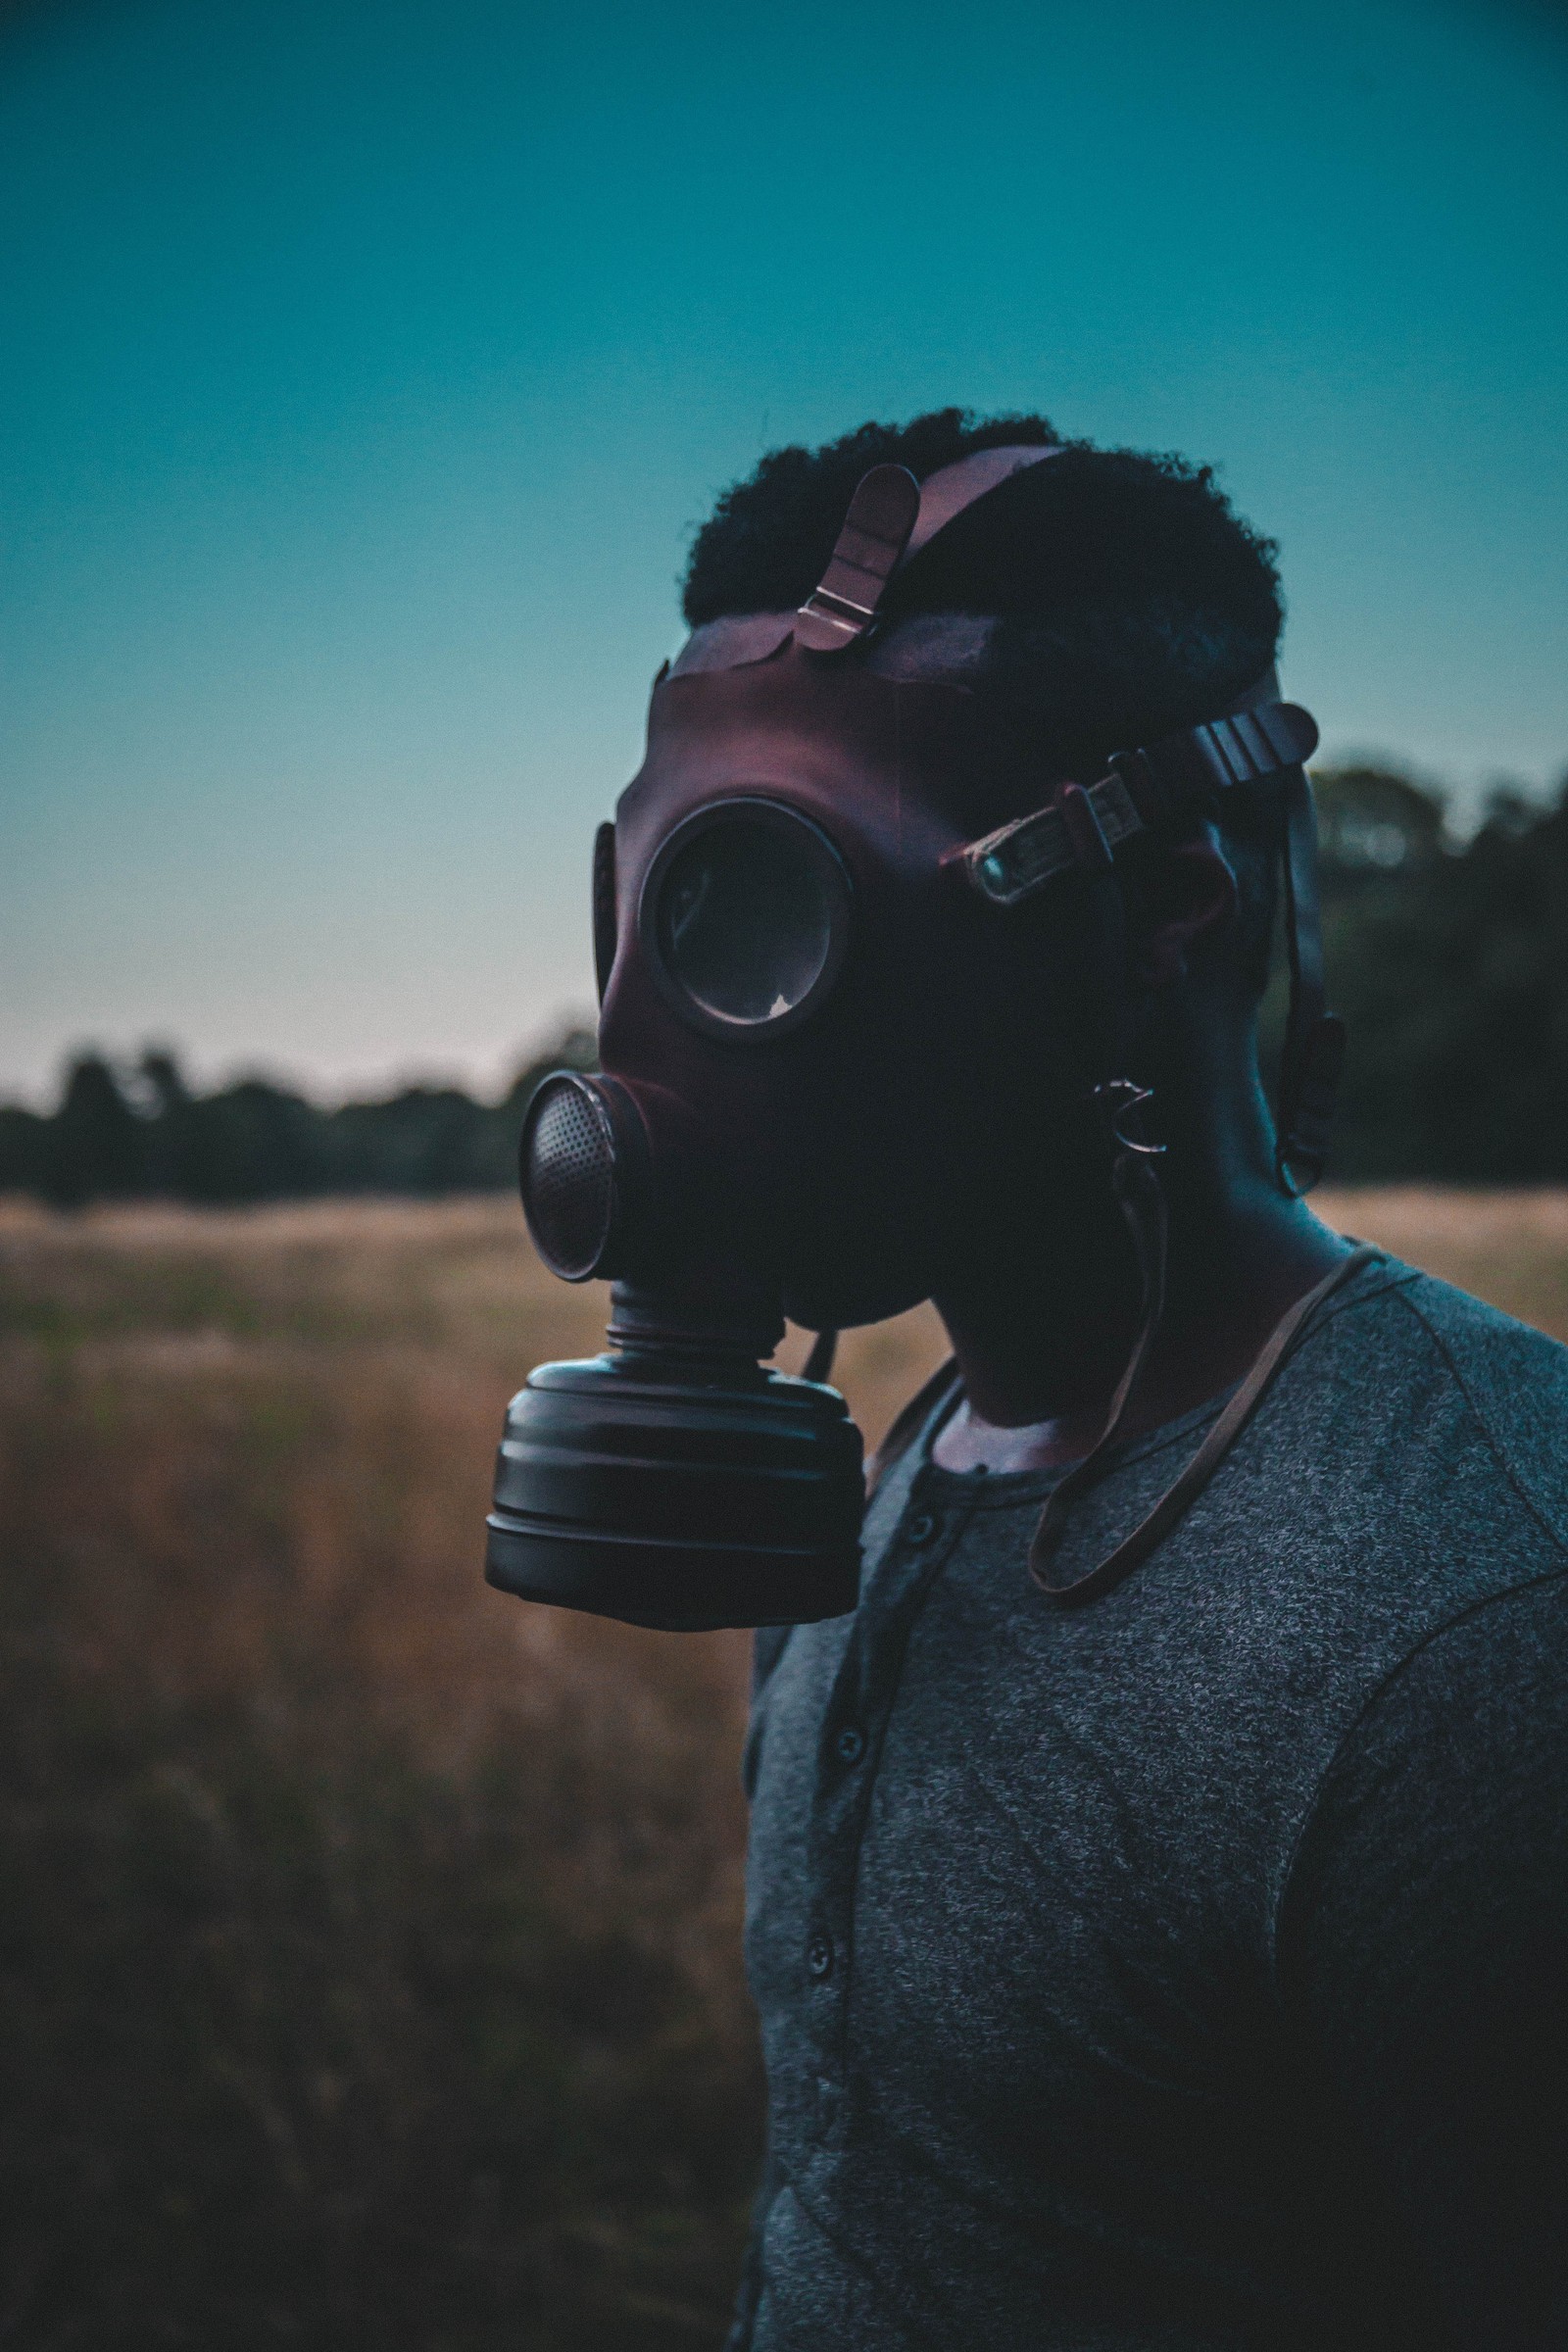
(1514, 1380)
(1409, 1465)
(1466, 1408)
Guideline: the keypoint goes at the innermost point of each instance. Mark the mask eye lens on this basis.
(749, 905)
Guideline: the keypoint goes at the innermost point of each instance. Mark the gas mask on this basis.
(832, 917)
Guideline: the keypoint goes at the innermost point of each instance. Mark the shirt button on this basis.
(851, 1744)
(922, 1530)
(819, 1955)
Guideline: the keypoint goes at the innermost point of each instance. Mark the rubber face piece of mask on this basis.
(604, 907)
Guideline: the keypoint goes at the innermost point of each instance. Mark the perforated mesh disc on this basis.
(568, 1176)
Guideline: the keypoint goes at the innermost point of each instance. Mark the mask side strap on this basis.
(1134, 1176)
(1170, 781)
(1141, 1198)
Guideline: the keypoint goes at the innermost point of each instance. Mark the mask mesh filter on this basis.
(568, 1176)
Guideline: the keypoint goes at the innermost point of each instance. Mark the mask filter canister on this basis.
(675, 1480)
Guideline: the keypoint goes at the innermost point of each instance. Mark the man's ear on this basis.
(1192, 897)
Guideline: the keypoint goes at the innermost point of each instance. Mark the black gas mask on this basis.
(815, 984)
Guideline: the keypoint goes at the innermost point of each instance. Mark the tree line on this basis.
(1450, 960)
(1449, 963)
(118, 1135)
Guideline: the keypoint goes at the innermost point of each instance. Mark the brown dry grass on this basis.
(370, 1961)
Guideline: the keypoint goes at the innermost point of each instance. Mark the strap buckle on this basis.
(843, 605)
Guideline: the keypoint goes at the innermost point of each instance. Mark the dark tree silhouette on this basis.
(94, 1146)
(148, 1134)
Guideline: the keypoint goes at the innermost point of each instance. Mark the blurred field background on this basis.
(370, 1942)
(370, 1965)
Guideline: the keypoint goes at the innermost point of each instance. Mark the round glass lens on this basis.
(746, 917)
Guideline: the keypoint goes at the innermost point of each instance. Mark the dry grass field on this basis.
(368, 1952)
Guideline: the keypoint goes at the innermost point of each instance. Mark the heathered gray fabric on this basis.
(1182, 1971)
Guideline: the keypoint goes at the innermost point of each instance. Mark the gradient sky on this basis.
(363, 369)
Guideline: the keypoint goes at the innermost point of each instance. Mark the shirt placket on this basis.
(849, 1756)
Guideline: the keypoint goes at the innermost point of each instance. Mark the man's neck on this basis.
(1041, 1354)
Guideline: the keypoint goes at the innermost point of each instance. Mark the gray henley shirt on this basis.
(1185, 1970)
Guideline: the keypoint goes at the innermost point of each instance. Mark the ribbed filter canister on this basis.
(678, 1487)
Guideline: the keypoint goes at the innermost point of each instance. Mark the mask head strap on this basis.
(892, 517)
(876, 530)
(1168, 786)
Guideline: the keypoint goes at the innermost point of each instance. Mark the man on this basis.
(1158, 1885)
(1179, 1969)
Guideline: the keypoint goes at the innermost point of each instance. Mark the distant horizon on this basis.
(483, 1085)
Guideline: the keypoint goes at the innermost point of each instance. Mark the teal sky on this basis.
(364, 368)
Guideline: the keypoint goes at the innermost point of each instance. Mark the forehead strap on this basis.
(876, 531)
(890, 519)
